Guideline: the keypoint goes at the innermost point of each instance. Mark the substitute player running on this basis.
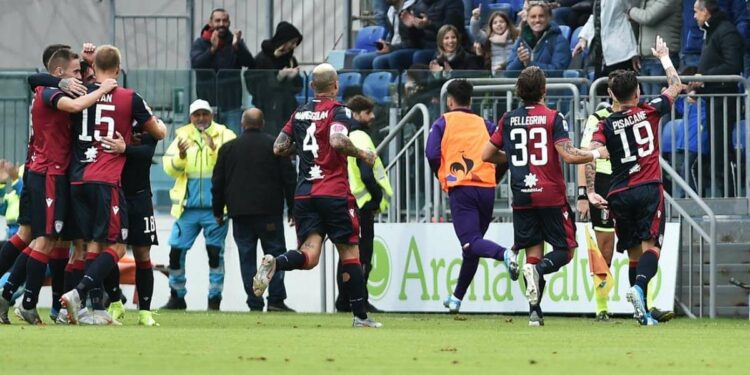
(534, 138)
(99, 203)
(324, 205)
(636, 195)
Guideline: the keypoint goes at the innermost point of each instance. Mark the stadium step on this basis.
(720, 206)
(726, 296)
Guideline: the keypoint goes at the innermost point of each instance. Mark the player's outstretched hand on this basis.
(114, 145)
(109, 84)
(72, 87)
(660, 49)
(368, 157)
(597, 200)
(603, 152)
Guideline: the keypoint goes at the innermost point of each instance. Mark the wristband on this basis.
(582, 196)
(596, 154)
(666, 62)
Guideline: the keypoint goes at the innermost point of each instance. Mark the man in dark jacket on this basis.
(276, 79)
(217, 55)
(253, 183)
(723, 48)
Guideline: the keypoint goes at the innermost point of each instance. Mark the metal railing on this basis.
(692, 144)
(412, 199)
(705, 239)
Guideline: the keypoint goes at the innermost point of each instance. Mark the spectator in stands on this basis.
(722, 54)
(424, 20)
(656, 17)
(495, 42)
(276, 79)
(190, 160)
(572, 13)
(217, 55)
(253, 184)
(450, 53)
(380, 59)
(739, 13)
(610, 40)
(541, 43)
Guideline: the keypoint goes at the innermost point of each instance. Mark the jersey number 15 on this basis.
(99, 119)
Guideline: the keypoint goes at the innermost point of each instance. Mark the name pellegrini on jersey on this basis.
(628, 121)
(311, 116)
(528, 120)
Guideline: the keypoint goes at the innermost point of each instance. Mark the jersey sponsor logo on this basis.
(311, 116)
(635, 169)
(528, 120)
(58, 226)
(316, 173)
(458, 167)
(49, 202)
(530, 180)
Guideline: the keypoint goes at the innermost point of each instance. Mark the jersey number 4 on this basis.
(535, 137)
(99, 119)
(310, 143)
(645, 144)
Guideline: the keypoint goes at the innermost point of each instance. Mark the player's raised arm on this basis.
(594, 198)
(342, 144)
(70, 105)
(572, 155)
(661, 51)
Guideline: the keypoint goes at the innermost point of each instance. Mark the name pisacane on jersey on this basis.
(528, 120)
(628, 121)
(311, 116)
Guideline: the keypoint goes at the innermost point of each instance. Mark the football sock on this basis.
(36, 267)
(17, 275)
(112, 285)
(291, 260)
(58, 261)
(647, 266)
(601, 300)
(343, 295)
(10, 251)
(69, 277)
(97, 270)
(354, 282)
(553, 261)
(485, 249)
(632, 266)
(76, 274)
(144, 284)
(466, 275)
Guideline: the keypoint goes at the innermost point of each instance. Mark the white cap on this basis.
(200, 104)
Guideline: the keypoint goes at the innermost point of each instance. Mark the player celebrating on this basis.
(324, 205)
(533, 138)
(454, 149)
(99, 203)
(47, 180)
(636, 196)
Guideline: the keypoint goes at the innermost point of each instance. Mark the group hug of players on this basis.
(86, 182)
(530, 141)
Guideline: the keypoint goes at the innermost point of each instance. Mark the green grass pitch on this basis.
(273, 343)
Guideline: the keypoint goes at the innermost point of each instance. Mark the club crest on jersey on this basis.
(530, 180)
(58, 226)
(90, 154)
(49, 202)
(124, 233)
(316, 173)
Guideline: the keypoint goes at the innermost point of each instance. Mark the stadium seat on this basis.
(574, 37)
(337, 58)
(349, 79)
(377, 86)
(366, 38)
(669, 128)
(738, 136)
(504, 7)
(565, 29)
(306, 91)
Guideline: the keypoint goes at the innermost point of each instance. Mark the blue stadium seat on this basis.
(366, 38)
(738, 136)
(376, 86)
(565, 29)
(349, 79)
(306, 92)
(574, 37)
(670, 127)
(337, 58)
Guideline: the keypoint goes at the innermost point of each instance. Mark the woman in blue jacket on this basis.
(541, 43)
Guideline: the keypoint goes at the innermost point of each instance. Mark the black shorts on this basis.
(142, 230)
(24, 203)
(101, 211)
(601, 219)
(553, 225)
(639, 215)
(49, 197)
(72, 229)
(337, 218)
